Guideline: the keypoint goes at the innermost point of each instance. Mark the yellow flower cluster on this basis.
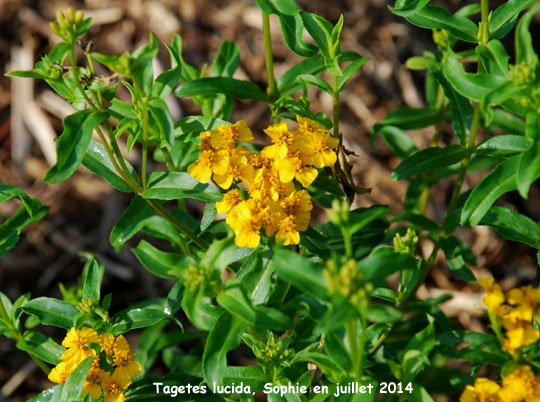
(519, 386)
(84, 343)
(275, 203)
(517, 318)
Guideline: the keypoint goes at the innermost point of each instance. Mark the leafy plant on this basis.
(312, 304)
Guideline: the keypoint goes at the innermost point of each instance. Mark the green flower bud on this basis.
(441, 38)
(339, 214)
(407, 244)
(522, 74)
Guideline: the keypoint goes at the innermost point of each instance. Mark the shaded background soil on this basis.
(84, 208)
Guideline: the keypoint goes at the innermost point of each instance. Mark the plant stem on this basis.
(271, 90)
(144, 148)
(75, 72)
(335, 108)
(352, 335)
(363, 322)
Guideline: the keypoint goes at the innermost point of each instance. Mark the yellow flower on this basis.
(113, 385)
(293, 167)
(246, 224)
(494, 297)
(299, 206)
(484, 390)
(106, 341)
(518, 386)
(518, 336)
(93, 379)
(227, 134)
(282, 139)
(202, 169)
(318, 146)
(230, 200)
(233, 168)
(288, 232)
(266, 185)
(61, 372)
(123, 360)
(306, 125)
(205, 144)
(76, 343)
(526, 299)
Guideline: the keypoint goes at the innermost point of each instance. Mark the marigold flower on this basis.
(494, 297)
(226, 135)
(518, 386)
(106, 341)
(233, 168)
(123, 359)
(319, 147)
(246, 224)
(306, 125)
(93, 380)
(288, 232)
(282, 139)
(202, 169)
(230, 200)
(61, 372)
(299, 206)
(76, 342)
(518, 336)
(293, 167)
(484, 390)
(113, 385)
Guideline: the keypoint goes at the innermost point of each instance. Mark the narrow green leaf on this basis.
(179, 185)
(92, 276)
(161, 263)
(470, 85)
(512, 225)
(419, 62)
(168, 80)
(209, 215)
(225, 335)
(500, 180)
(73, 143)
(97, 161)
(52, 312)
(194, 125)
(130, 222)
(505, 16)
(252, 376)
(454, 258)
(503, 146)
(41, 346)
(428, 159)
(494, 57)
(349, 71)
(383, 262)
(529, 161)
(316, 82)
(407, 118)
(74, 384)
(320, 30)
(221, 85)
(160, 113)
(301, 272)
(199, 309)
(226, 61)
(525, 52)
(49, 395)
(312, 66)
(408, 7)
(434, 17)
(129, 319)
(398, 141)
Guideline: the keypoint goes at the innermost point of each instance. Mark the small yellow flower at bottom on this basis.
(484, 390)
(61, 372)
(494, 297)
(113, 385)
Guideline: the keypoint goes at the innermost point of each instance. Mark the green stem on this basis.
(335, 108)
(144, 148)
(383, 336)
(352, 335)
(178, 224)
(169, 160)
(75, 71)
(272, 88)
(363, 338)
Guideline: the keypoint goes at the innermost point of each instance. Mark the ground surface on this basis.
(84, 209)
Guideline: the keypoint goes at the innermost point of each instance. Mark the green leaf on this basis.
(92, 276)
(41, 346)
(312, 65)
(529, 161)
(512, 225)
(301, 272)
(504, 17)
(482, 348)
(383, 313)
(460, 106)
(405, 8)
(74, 384)
(470, 85)
(324, 362)
(434, 17)
(221, 85)
(494, 57)
(179, 185)
(160, 113)
(506, 121)
(97, 161)
(129, 319)
(320, 30)
(235, 300)
(252, 376)
(349, 71)
(316, 82)
(503, 146)
(225, 335)
(429, 159)
(398, 141)
(52, 312)
(500, 180)
(194, 125)
(417, 350)
(209, 215)
(419, 62)
(160, 263)
(73, 143)
(525, 52)
(454, 257)
(226, 61)
(167, 80)
(49, 395)
(407, 118)
(199, 309)
(130, 222)
(384, 261)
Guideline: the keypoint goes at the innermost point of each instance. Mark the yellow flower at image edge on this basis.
(484, 390)
(113, 385)
(494, 297)
(123, 360)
